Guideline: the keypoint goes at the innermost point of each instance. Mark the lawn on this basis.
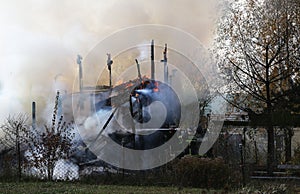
(63, 187)
(77, 187)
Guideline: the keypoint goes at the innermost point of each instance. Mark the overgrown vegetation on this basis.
(62, 187)
(258, 55)
(13, 141)
(46, 147)
(79, 187)
(25, 148)
(296, 158)
(201, 172)
(189, 171)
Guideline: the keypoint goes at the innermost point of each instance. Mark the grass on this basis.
(77, 187)
(69, 187)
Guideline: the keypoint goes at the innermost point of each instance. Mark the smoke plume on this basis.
(41, 39)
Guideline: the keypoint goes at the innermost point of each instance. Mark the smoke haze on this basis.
(41, 39)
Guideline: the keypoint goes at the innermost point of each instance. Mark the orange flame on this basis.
(129, 85)
(156, 87)
(119, 82)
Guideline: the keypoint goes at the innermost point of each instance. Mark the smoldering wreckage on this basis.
(98, 109)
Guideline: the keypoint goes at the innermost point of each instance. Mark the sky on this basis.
(40, 40)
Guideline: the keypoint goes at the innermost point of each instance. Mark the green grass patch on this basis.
(69, 187)
(40, 187)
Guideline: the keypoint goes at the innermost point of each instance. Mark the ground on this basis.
(63, 187)
(76, 187)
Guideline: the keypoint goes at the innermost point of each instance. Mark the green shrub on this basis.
(201, 172)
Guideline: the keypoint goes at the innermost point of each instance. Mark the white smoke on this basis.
(93, 124)
(144, 51)
(40, 40)
(65, 170)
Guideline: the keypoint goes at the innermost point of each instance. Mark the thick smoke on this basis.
(41, 39)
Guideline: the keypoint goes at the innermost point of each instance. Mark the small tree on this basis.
(53, 143)
(12, 131)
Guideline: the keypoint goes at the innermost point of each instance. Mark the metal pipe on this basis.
(131, 112)
(166, 65)
(139, 70)
(106, 123)
(103, 128)
(152, 61)
(109, 63)
(33, 112)
(79, 62)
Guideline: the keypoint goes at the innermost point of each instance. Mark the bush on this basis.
(265, 189)
(185, 172)
(201, 172)
(296, 158)
(8, 168)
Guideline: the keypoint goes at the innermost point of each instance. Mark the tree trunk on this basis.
(49, 172)
(18, 150)
(270, 128)
(271, 150)
(255, 151)
(271, 141)
(288, 144)
(19, 161)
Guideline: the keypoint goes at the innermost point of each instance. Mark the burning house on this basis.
(144, 101)
(140, 114)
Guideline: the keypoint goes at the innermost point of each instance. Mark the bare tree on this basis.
(51, 144)
(12, 131)
(258, 50)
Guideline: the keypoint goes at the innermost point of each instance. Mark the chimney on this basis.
(152, 61)
(59, 106)
(33, 111)
(139, 69)
(79, 58)
(109, 62)
(165, 60)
